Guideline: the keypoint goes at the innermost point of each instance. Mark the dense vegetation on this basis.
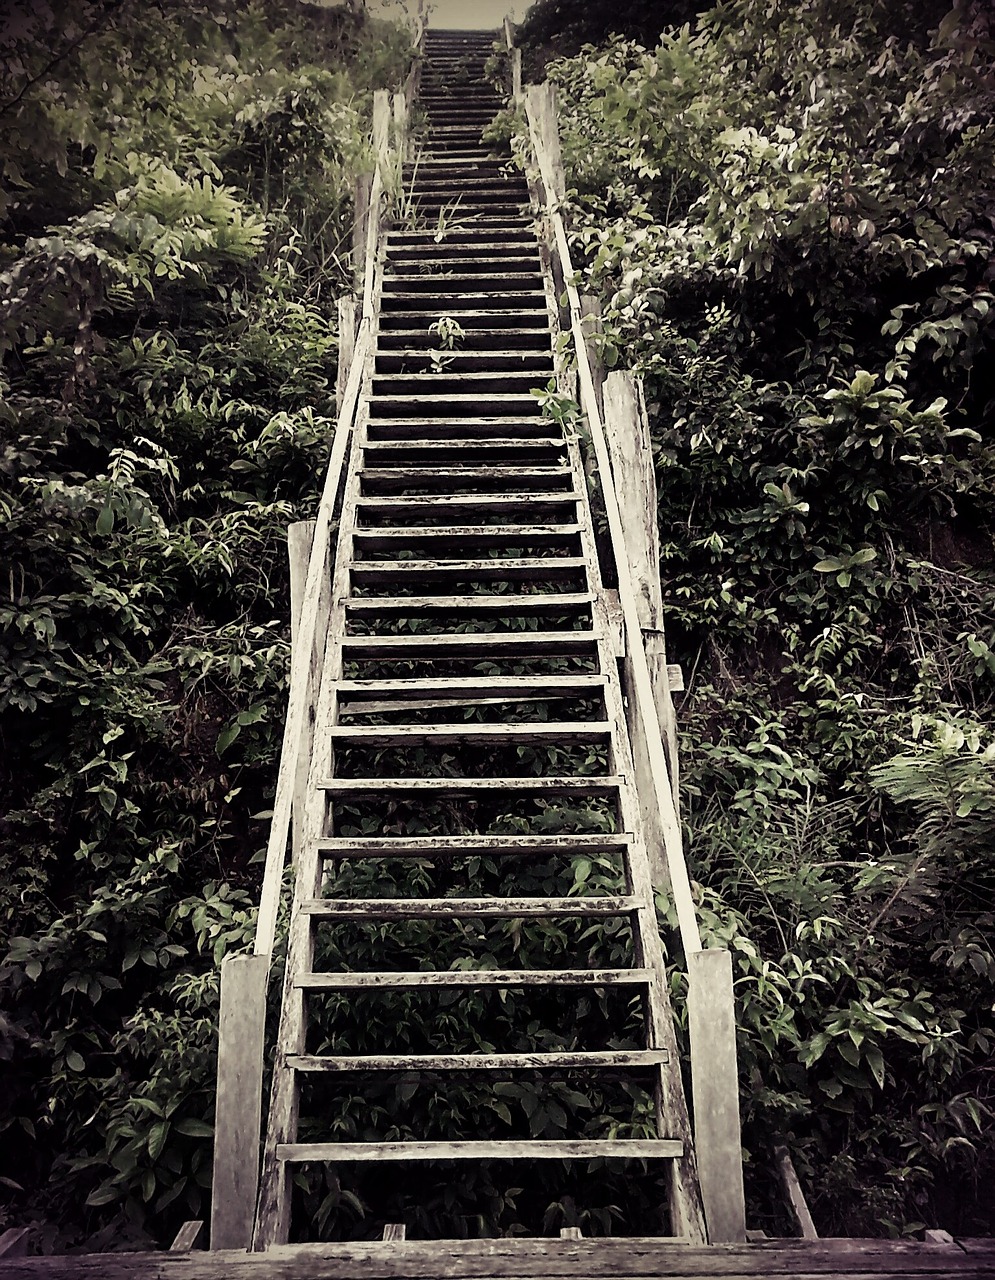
(176, 219)
(788, 215)
(789, 218)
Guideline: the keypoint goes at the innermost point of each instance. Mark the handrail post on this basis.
(715, 1094)
(239, 1100)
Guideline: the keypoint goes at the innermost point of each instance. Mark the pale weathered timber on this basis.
(14, 1242)
(611, 1060)
(188, 1236)
(785, 1167)
(238, 1108)
(715, 1094)
(455, 908)
(560, 602)
(394, 981)
(348, 318)
(541, 846)
(300, 536)
(631, 451)
(471, 644)
(511, 569)
(591, 786)
(549, 1259)
(509, 688)
(360, 229)
(403, 735)
(510, 1149)
(451, 505)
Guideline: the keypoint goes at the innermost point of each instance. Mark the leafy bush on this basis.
(177, 197)
(786, 217)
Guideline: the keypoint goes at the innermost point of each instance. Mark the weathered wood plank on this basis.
(348, 319)
(509, 1149)
(609, 1060)
(457, 908)
(508, 688)
(793, 1191)
(406, 735)
(473, 978)
(238, 1112)
(187, 1237)
(550, 1259)
(591, 786)
(715, 1094)
(14, 1242)
(540, 846)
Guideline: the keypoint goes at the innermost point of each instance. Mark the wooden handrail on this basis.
(296, 723)
(641, 690)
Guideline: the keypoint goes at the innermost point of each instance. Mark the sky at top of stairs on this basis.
(483, 15)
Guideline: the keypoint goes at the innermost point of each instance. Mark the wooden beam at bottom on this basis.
(621, 1259)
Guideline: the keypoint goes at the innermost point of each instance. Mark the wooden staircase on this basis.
(468, 629)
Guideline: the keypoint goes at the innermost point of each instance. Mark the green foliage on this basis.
(178, 188)
(785, 216)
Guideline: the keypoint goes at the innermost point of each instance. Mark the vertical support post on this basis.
(347, 345)
(381, 124)
(238, 1113)
(590, 310)
(300, 536)
(715, 1094)
(540, 102)
(360, 229)
(631, 450)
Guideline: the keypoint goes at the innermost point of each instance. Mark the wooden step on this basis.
(460, 281)
(472, 449)
(435, 540)
(465, 908)
(507, 1149)
(484, 504)
(470, 733)
(397, 981)
(470, 317)
(457, 429)
(604, 785)
(510, 569)
(336, 848)
(468, 688)
(440, 301)
(470, 606)
(511, 480)
(484, 644)
(591, 1060)
(488, 405)
(427, 359)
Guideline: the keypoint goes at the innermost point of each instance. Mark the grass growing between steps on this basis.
(175, 231)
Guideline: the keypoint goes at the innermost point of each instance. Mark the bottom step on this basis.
(555, 1149)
